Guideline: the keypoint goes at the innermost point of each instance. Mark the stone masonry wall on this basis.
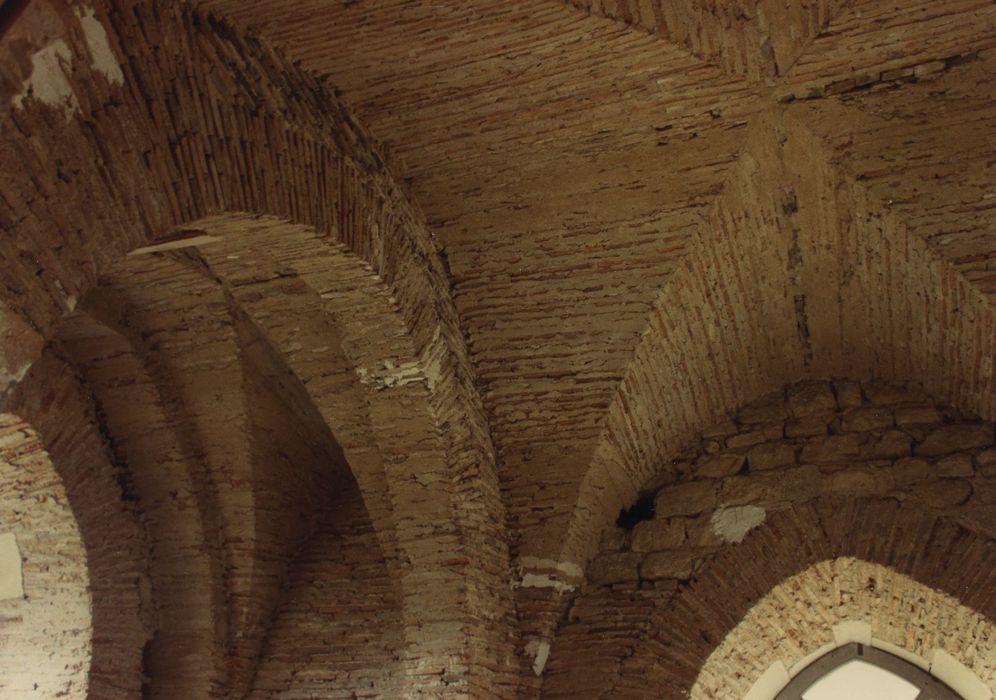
(813, 441)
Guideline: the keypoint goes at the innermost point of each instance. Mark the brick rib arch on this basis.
(46, 644)
(846, 600)
(114, 567)
(206, 121)
(165, 475)
(932, 550)
(817, 471)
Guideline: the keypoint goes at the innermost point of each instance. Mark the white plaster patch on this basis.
(565, 567)
(391, 375)
(852, 631)
(11, 577)
(948, 669)
(544, 581)
(771, 681)
(733, 524)
(435, 356)
(101, 54)
(9, 378)
(540, 651)
(48, 82)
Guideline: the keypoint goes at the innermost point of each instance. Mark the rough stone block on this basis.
(916, 415)
(810, 399)
(848, 394)
(720, 465)
(945, 493)
(893, 444)
(690, 498)
(768, 409)
(664, 565)
(810, 426)
(615, 568)
(984, 491)
(866, 418)
(754, 437)
(955, 465)
(910, 470)
(659, 534)
(985, 461)
(771, 455)
(890, 393)
(701, 533)
(831, 449)
(955, 438)
(720, 430)
(795, 484)
(861, 481)
(614, 539)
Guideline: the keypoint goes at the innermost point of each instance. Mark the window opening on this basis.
(858, 672)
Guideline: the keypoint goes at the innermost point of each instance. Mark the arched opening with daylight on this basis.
(864, 673)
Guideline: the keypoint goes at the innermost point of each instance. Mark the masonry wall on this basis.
(45, 611)
(338, 633)
(882, 459)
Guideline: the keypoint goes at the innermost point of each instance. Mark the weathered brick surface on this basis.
(632, 233)
(856, 491)
(120, 163)
(45, 637)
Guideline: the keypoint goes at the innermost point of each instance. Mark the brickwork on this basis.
(61, 414)
(817, 471)
(839, 592)
(422, 294)
(45, 642)
(143, 167)
(339, 631)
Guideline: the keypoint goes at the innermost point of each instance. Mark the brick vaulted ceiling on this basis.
(471, 275)
(570, 156)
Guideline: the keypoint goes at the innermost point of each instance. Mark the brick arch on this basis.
(51, 398)
(338, 329)
(844, 601)
(671, 632)
(886, 445)
(194, 120)
(348, 357)
(928, 548)
(47, 644)
(160, 471)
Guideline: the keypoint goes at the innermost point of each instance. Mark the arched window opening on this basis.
(858, 672)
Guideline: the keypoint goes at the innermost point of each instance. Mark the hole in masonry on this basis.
(643, 509)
